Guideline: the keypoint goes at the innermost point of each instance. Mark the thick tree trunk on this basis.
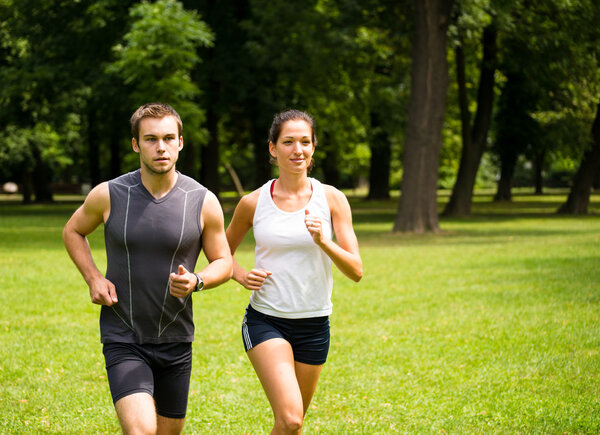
(474, 139)
(579, 197)
(381, 153)
(417, 207)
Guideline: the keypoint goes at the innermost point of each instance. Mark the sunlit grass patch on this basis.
(492, 326)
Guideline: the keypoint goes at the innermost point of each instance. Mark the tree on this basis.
(474, 137)
(157, 57)
(417, 207)
(226, 80)
(549, 61)
(579, 196)
(51, 60)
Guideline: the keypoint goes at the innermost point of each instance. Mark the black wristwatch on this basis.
(199, 284)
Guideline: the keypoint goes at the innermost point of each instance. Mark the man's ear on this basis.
(180, 143)
(134, 145)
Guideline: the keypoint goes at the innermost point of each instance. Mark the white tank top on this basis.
(301, 282)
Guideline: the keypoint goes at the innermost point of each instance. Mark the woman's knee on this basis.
(290, 421)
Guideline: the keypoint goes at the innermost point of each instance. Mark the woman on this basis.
(286, 326)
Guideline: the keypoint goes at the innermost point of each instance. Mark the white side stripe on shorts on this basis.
(245, 333)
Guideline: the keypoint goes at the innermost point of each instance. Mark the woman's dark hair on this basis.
(291, 115)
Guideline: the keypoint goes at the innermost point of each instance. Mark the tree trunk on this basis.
(508, 162)
(381, 153)
(330, 164)
(188, 159)
(93, 148)
(475, 138)
(579, 196)
(41, 177)
(538, 168)
(209, 173)
(262, 165)
(417, 207)
(27, 181)
(115, 150)
(235, 179)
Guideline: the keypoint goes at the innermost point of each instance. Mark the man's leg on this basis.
(169, 426)
(136, 414)
(171, 386)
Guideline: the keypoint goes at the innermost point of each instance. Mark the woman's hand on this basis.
(255, 279)
(313, 225)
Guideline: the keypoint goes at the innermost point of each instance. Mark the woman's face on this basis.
(294, 148)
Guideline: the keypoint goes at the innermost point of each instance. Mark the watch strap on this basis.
(199, 283)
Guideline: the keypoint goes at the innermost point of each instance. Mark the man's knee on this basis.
(137, 414)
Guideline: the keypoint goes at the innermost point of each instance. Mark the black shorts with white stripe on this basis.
(309, 337)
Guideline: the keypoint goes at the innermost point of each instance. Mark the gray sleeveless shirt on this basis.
(146, 239)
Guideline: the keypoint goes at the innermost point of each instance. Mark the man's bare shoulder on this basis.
(98, 200)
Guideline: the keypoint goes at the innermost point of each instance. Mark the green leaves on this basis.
(158, 54)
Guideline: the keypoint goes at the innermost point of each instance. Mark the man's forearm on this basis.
(81, 254)
(216, 272)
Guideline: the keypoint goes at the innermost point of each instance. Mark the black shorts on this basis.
(161, 370)
(309, 337)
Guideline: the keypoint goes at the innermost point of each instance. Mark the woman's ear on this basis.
(272, 150)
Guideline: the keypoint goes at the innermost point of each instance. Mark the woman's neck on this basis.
(293, 183)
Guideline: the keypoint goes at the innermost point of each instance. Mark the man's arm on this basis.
(86, 219)
(216, 250)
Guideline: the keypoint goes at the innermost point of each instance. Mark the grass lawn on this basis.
(492, 326)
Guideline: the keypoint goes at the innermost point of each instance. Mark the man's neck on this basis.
(158, 185)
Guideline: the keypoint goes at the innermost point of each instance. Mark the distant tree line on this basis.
(409, 94)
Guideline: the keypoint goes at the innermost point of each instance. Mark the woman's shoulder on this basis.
(247, 203)
(333, 193)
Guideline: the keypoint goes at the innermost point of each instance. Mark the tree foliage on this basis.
(158, 55)
(73, 71)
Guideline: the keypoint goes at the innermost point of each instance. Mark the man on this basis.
(156, 221)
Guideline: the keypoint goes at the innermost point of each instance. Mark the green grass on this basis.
(492, 326)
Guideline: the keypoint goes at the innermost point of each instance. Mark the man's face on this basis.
(159, 144)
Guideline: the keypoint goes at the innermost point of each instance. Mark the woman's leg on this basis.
(307, 376)
(288, 387)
